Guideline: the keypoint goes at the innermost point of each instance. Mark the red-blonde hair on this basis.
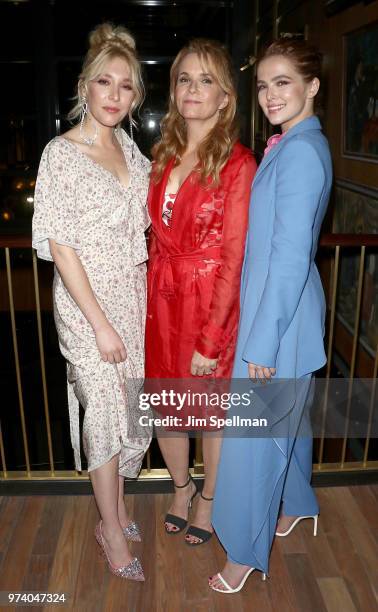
(306, 58)
(216, 147)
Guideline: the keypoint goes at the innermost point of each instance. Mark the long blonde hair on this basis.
(106, 42)
(215, 149)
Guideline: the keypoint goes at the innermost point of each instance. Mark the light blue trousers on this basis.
(254, 476)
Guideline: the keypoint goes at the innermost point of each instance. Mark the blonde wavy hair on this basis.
(106, 42)
(215, 149)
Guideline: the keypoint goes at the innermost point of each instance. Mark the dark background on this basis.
(42, 46)
(41, 50)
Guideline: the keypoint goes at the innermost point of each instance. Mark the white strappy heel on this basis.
(297, 520)
(229, 589)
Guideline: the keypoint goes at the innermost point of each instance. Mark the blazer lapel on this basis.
(311, 123)
(269, 157)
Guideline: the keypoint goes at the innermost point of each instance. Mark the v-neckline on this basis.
(165, 185)
(183, 182)
(126, 187)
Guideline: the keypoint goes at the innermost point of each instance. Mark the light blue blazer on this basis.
(282, 299)
(282, 326)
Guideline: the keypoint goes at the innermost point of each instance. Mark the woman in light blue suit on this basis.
(282, 319)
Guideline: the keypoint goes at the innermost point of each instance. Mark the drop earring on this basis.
(89, 140)
(131, 136)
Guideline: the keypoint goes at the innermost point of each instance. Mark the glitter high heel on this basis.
(132, 571)
(132, 532)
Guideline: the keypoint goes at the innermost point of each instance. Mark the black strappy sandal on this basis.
(175, 520)
(197, 532)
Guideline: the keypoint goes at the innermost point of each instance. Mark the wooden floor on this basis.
(47, 544)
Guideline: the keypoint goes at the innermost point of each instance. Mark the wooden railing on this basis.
(331, 246)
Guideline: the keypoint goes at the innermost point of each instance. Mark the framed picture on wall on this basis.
(356, 211)
(360, 95)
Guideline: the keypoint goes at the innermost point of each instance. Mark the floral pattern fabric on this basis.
(81, 204)
(169, 200)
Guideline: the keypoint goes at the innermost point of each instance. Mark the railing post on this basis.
(371, 409)
(43, 367)
(2, 454)
(17, 361)
(354, 351)
(329, 351)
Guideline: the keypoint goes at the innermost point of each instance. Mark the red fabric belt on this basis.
(161, 273)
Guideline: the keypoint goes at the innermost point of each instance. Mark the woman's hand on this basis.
(201, 365)
(110, 344)
(260, 372)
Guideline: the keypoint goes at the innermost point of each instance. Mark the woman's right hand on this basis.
(110, 344)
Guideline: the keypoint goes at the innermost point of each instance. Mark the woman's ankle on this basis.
(123, 516)
(207, 495)
(184, 492)
(111, 529)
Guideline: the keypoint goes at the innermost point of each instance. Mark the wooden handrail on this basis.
(15, 241)
(326, 240)
(348, 240)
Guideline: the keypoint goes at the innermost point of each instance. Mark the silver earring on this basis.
(131, 136)
(84, 112)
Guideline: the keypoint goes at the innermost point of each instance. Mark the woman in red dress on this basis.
(198, 203)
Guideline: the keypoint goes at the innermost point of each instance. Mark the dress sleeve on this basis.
(213, 338)
(55, 214)
(300, 182)
(144, 161)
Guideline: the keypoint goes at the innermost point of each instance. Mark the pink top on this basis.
(169, 200)
(272, 142)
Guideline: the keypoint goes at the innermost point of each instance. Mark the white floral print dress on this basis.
(80, 204)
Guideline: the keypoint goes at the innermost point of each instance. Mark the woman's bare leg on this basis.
(106, 490)
(123, 515)
(211, 446)
(175, 450)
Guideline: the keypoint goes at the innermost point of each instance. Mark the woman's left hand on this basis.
(260, 372)
(201, 365)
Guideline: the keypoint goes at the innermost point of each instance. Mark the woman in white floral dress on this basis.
(90, 218)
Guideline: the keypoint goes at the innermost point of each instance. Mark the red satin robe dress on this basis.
(194, 269)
